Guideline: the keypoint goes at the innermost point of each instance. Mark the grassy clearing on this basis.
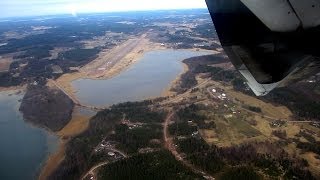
(244, 128)
(77, 125)
(278, 112)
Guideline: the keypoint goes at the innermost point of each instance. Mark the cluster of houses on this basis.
(108, 146)
(131, 125)
(315, 124)
(277, 123)
(219, 95)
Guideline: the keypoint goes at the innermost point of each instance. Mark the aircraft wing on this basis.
(272, 43)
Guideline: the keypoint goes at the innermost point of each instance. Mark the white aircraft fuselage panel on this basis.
(277, 15)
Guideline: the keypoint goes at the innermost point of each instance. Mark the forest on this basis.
(196, 65)
(304, 106)
(156, 165)
(47, 108)
(216, 160)
(79, 150)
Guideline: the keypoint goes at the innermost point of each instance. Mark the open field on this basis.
(77, 125)
(314, 163)
(5, 64)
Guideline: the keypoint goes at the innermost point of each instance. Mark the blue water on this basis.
(149, 77)
(23, 148)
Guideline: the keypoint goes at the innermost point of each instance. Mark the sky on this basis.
(18, 8)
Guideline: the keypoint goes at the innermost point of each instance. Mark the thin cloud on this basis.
(46, 7)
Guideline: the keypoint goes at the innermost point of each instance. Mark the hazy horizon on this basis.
(21, 8)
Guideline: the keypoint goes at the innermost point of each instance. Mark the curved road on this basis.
(94, 168)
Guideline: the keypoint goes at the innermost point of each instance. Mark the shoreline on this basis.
(20, 90)
(13, 88)
(78, 124)
(65, 81)
(168, 91)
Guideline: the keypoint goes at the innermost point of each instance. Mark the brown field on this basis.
(268, 109)
(5, 64)
(314, 163)
(77, 125)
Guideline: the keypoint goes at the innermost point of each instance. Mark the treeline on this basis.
(131, 140)
(38, 66)
(274, 163)
(241, 173)
(206, 30)
(36, 52)
(7, 80)
(79, 151)
(140, 112)
(252, 108)
(34, 69)
(155, 165)
(203, 64)
(200, 154)
(309, 147)
(78, 55)
(217, 73)
(300, 104)
(195, 64)
(67, 32)
(188, 120)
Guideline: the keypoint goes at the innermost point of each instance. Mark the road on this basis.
(169, 144)
(92, 173)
